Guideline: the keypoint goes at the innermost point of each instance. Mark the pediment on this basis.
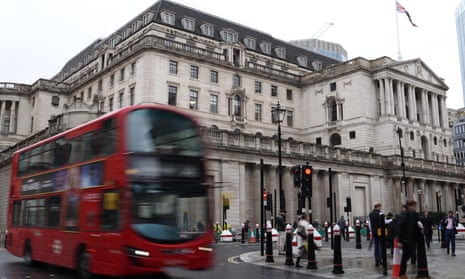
(418, 69)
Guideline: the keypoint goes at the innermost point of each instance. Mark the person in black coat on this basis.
(375, 220)
(427, 222)
(408, 231)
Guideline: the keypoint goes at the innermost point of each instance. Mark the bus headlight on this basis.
(137, 252)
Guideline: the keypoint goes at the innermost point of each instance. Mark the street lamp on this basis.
(403, 182)
(419, 191)
(277, 114)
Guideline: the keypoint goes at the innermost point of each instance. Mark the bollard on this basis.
(289, 260)
(382, 239)
(243, 234)
(358, 236)
(326, 231)
(311, 261)
(269, 244)
(367, 225)
(422, 263)
(346, 228)
(257, 232)
(337, 260)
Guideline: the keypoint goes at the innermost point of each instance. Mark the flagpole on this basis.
(399, 55)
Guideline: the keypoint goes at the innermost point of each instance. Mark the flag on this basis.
(401, 9)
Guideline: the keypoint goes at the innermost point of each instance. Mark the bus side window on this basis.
(16, 222)
(53, 212)
(109, 136)
(110, 210)
(30, 216)
(61, 154)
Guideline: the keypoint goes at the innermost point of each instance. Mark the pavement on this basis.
(359, 263)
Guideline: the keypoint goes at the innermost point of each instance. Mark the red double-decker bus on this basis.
(124, 194)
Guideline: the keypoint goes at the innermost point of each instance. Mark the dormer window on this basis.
(280, 52)
(265, 47)
(188, 24)
(167, 18)
(125, 34)
(207, 29)
(146, 18)
(229, 36)
(317, 65)
(249, 43)
(112, 42)
(302, 60)
(135, 26)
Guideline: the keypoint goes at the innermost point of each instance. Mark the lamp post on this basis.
(438, 200)
(277, 114)
(456, 196)
(403, 183)
(419, 191)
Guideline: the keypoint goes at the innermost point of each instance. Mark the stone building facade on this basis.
(343, 116)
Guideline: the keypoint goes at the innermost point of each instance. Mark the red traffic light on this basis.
(265, 195)
(308, 171)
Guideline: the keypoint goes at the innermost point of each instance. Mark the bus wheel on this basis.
(27, 256)
(83, 265)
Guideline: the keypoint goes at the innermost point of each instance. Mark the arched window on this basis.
(332, 110)
(237, 105)
(335, 139)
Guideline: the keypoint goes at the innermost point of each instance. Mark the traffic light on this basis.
(307, 181)
(265, 199)
(297, 172)
(349, 204)
(269, 201)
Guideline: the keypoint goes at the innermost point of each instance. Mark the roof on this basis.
(181, 11)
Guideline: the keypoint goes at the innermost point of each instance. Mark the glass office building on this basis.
(460, 23)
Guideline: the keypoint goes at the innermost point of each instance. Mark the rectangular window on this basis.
(112, 80)
(132, 92)
(6, 126)
(213, 103)
(258, 87)
(89, 93)
(213, 76)
(100, 85)
(332, 86)
(290, 118)
(258, 112)
(193, 99)
(172, 94)
(352, 135)
(274, 91)
(121, 74)
(289, 94)
(194, 72)
(133, 69)
(110, 104)
(120, 99)
(318, 140)
(173, 67)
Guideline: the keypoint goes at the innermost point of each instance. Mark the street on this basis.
(228, 266)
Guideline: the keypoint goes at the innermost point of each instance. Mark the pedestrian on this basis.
(428, 227)
(217, 231)
(375, 220)
(246, 229)
(450, 223)
(409, 229)
(301, 238)
(281, 224)
(390, 236)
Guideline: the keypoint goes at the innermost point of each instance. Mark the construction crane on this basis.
(322, 30)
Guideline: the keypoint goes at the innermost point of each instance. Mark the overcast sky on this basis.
(39, 36)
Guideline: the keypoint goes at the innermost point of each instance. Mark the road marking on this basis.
(235, 260)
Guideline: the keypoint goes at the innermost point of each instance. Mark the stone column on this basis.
(424, 107)
(413, 103)
(435, 120)
(444, 120)
(2, 114)
(382, 98)
(13, 117)
(400, 101)
(390, 97)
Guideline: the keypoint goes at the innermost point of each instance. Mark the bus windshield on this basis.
(169, 212)
(162, 132)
